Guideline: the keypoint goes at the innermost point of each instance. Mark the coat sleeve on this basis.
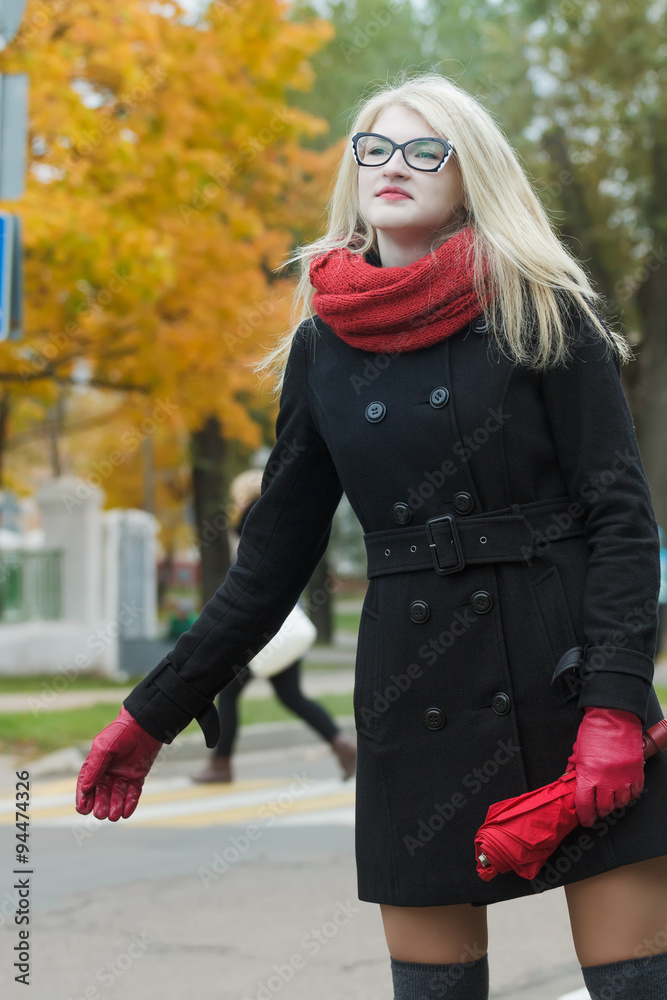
(283, 539)
(599, 457)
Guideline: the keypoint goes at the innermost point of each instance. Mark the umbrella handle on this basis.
(655, 739)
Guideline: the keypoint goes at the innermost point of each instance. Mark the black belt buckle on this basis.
(457, 545)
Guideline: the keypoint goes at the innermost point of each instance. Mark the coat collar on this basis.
(371, 257)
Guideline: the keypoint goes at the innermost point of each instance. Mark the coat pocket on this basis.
(556, 622)
(366, 674)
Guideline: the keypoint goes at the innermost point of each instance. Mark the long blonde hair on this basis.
(529, 269)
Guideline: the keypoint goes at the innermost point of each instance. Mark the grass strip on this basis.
(47, 683)
(32, 734)
(347, 621)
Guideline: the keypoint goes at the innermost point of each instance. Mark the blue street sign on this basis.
(11, 277)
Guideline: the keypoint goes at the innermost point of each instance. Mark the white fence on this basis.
(102, 585)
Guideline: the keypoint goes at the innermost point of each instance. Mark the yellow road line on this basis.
(37, 812)
(243, 813)
(257, 811)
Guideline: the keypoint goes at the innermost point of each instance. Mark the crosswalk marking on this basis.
(46, 798)
(244, 814)
(343, 816)
(175, 802)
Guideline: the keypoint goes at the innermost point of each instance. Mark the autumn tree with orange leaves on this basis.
(164, 166)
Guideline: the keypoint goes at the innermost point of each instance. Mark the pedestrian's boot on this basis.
(217, 769)
(346, 751)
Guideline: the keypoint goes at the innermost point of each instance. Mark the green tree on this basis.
(374, 39)
(607, 145)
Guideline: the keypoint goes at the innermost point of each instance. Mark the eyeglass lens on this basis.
(375, 151)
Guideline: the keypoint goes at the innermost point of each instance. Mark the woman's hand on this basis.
(609, 760)
(113, 773)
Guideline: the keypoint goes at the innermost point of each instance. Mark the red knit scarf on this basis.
(396, 308)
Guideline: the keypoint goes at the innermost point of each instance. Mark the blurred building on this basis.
(78, 591)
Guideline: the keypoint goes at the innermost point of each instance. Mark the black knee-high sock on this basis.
(633, 979)
(456, 981)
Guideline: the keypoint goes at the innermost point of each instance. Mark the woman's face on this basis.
(434, 197)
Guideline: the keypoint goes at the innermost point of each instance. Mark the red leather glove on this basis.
(609, 760)
(113, 773)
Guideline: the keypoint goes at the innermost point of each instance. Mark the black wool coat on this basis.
(513, 565)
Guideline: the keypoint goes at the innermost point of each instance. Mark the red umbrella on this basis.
(519, 834)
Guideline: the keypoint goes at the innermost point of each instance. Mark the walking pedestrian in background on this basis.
(245, 490)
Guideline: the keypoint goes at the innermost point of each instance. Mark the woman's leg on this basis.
(621, 913)
(228, 713)
(619, 929)
(287, 685)
(456, 933)
(438, 951)
(218, 768)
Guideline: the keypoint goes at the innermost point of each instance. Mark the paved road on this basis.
(238, 892)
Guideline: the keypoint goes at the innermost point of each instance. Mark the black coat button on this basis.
(480, 325)
(401, 513)
(481, 602)
(375, 411)
(463, 503)
(434, 718)
(419, 611)
(500, 703)
(439, 397)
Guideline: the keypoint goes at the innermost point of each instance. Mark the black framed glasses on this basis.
(373, 150)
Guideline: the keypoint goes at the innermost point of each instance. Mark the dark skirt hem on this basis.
(547, 878)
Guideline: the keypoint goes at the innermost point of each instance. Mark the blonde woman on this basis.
(449, 371)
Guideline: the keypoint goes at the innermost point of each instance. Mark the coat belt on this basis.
(448, 543)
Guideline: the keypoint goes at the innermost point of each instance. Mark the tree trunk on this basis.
(149, 474)
(164, 577)
(651, 397)
(645, 381)
(55, 423)
(208, 483)
(5, 398)
(578, 230)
